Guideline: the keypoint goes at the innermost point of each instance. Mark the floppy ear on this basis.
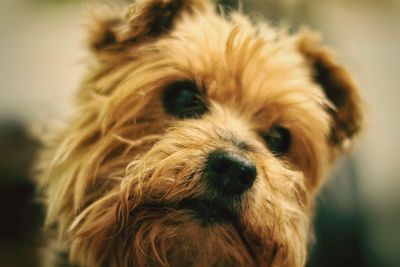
(112, 31)
(337, 85)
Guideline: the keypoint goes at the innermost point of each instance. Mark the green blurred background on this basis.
(42, 59)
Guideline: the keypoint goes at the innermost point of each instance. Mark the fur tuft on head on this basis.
(112, 31)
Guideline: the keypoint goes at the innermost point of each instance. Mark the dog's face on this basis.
(199, 141)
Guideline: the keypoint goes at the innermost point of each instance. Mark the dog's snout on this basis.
(229, 172)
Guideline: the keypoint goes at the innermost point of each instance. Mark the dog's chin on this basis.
(204, 212)
(209, 213)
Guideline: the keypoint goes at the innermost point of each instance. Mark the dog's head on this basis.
(200, 140)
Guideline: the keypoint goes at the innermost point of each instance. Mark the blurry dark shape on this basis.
(20, 214)
(339, 223)
(17, 150)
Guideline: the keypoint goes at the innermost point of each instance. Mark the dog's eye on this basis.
(278, 140)
(182, 99)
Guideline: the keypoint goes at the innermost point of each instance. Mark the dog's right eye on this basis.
(278, 140)
(183, 100)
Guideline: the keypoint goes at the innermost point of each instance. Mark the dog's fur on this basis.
(115, 180)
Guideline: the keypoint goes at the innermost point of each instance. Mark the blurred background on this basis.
(42, 59)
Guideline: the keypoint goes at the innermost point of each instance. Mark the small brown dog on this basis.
(199, 140)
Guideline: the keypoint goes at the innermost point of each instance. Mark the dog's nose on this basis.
(229, 172)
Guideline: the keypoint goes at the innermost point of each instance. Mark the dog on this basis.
(199, 139)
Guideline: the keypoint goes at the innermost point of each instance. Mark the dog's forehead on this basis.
(255, 63)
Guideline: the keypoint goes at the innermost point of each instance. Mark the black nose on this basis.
(229, 172)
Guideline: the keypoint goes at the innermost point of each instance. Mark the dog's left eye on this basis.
(278, 140)
(183, 100)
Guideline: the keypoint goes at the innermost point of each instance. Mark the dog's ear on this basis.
(112, 31)
(338, 86)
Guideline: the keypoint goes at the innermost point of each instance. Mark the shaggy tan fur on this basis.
(113, 178)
